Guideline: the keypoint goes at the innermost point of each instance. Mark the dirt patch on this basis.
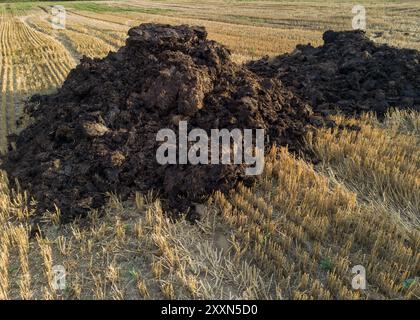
(349, 73)
(97, 134)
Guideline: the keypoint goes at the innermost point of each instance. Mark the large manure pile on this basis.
(97, 134)
(349, 73)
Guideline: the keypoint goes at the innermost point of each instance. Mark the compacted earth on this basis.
(97, 133)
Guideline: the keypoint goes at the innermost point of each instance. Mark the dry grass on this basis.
(310, 230)
(380, 162)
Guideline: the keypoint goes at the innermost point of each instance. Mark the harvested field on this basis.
(31, 62)
(336, 191)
